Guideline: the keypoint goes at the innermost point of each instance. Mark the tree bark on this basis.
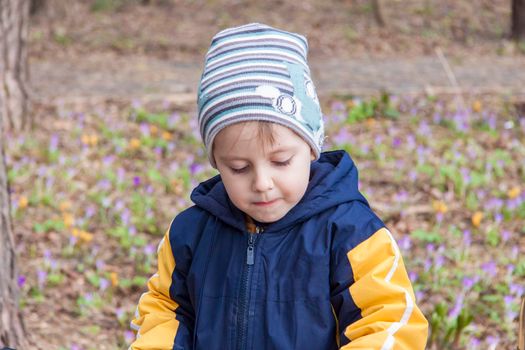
(14, 17)
(518, 19)
(378, 12)
(13, 114)
(12, 329)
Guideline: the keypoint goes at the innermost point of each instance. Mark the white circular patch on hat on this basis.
(310, 89)
(286, 104)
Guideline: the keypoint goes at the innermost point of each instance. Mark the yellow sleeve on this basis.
(155, 321)
(390, 318)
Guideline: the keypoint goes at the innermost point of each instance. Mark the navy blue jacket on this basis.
(327, 275)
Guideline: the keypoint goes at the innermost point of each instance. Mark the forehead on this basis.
(243, 137)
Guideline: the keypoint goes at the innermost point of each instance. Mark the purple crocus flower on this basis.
(149, 189)
(104, 184)
(428, 264)
(129, 337)
(338, 106)
(437, 118)
(104, 284)
(125, 217)
(505, 235)
(173, 120)
(492, 342)
(342, 137)
(424, 129)
(120, 313)
(90, 211)
(455, 311)
(100, 264)
(108, 160)
(144, 129)
(196, 168)
(41, 278)
(149, 249)
(465, 173)
(119, 205)
(405, 242)
(490, 268)
(396, 142)
(439, 261)
(21, 281)
(413, 276)
(517, 289)
(411, 141)
(136, 181)
(492, 121)
(474, 343)
(468, 283)
(72, 240)
(53, 143)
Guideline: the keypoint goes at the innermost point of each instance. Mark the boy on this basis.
(280, 251)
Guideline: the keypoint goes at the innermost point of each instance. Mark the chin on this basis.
(267, 219)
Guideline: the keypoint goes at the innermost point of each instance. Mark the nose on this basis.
(263, 181)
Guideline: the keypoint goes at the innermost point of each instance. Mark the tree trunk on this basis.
(378, 12)
(13, 114)
(518, 19)
(14, 17)
(12, 330)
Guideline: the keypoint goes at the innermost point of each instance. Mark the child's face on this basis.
(264, 182)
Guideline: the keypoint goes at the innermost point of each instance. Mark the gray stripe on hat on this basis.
(254, 28)
(256, 55)
(212, 90)
(285, 45)
(231, 104)
(244, 66)
(261, 39)
(260, 60)
(255, 69)
(236, 91)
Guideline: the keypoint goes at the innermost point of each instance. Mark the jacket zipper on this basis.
(242, 315)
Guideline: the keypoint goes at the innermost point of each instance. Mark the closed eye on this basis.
(283, 163)
(239, 170)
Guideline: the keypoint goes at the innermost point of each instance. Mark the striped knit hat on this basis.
(256, 72)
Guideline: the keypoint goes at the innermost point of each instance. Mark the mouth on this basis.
(265, 204)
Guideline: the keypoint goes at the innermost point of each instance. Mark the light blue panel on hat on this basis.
(310, 110)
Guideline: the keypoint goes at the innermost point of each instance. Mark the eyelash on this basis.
(285, 163)
(242, 170)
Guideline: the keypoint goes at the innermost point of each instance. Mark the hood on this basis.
(333, 180)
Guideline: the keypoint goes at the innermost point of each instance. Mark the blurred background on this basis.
(427, 97)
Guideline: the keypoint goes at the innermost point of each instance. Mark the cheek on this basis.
(235, 188)
(296, 184)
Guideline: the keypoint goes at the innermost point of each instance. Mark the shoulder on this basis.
(187, 228)
(188, 218)
(353, 223)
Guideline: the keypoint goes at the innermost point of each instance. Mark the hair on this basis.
(265, 133)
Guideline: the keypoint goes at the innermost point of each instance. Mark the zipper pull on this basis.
(250, 258)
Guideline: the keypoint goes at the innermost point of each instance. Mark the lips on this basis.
(265, 204)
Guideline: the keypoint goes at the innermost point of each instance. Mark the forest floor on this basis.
(115, 151)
